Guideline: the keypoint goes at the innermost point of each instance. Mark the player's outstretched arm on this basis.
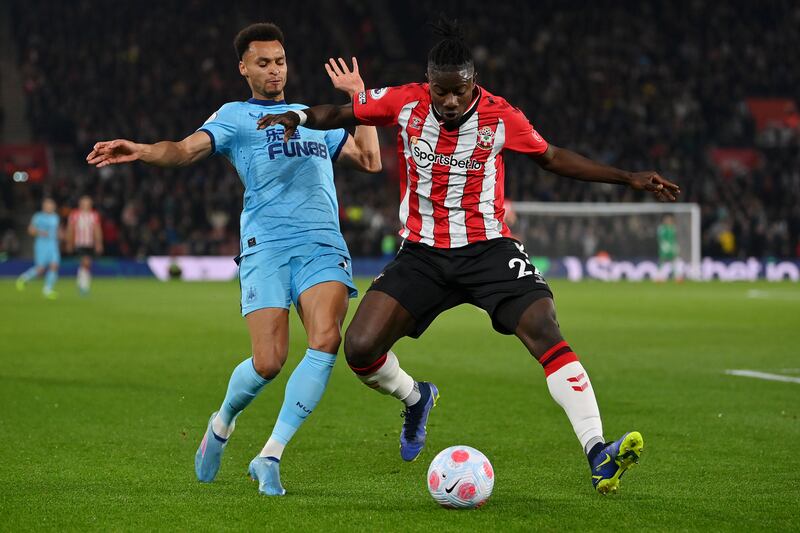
(193, 148)
(572, 165)
(319, 117)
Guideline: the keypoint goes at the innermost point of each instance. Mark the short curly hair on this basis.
(262, 31)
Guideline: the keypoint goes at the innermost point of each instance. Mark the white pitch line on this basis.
(773, 295)
(762, 375)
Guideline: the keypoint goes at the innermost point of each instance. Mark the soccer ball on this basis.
(460, 477)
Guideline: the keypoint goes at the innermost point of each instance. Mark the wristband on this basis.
(302, 115)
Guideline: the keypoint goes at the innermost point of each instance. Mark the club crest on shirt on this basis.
(485, 138)
(416, 123)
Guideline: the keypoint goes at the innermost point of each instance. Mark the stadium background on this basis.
(105, 398)
(702, 91)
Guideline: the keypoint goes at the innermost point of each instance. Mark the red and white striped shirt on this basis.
(83, 224)
(451, 181)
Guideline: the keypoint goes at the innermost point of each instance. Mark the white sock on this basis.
(414, 396)
(571, 389)
(84, 279)
(272, 448)
(221, 429)
(390, 379)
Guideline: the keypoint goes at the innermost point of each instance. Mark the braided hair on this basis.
(451, 52)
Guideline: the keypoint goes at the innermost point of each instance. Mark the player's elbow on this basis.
(373, 164)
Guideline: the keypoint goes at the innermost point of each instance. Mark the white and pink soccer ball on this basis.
(460, 477)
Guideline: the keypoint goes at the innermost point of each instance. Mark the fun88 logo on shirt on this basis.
(295, 147)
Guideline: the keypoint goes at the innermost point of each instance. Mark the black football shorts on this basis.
(495, 275)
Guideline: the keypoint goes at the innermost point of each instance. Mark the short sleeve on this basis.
(380, 107)
(520, 135)
(335, 140)
(36, 220)
(221, 127)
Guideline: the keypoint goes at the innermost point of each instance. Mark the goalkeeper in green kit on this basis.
(668, 245)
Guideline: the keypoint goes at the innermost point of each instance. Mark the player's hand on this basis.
(98, 249)
(288, 120)
(114, 152)
(343, 78)
(651, 181)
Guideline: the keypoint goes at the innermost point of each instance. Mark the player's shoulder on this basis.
(497, 104)
(228, 111)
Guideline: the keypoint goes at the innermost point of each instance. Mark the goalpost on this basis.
(621, 230)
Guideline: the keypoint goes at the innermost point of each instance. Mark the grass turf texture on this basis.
(104, 400)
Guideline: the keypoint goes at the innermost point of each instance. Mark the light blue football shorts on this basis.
(277, 278)
(45, 253)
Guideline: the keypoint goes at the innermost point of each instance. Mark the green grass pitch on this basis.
(103, 401)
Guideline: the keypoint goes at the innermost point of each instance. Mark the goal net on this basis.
(621, 231)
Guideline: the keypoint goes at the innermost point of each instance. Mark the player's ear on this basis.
(242, 69)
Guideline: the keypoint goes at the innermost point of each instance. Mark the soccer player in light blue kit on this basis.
(292, 250)
(46, 256)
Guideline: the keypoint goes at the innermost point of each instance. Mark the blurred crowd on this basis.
(641, 86)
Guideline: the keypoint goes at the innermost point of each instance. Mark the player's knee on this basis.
(539, 326)
(325, 340)
(545, 329)
(360, 348)
(268, 362)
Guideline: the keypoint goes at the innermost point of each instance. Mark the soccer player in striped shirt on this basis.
(457, 247)
(292, 250)
(85, 238)
(46, 256)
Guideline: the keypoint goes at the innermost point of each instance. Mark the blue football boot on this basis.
(614, 459)
(209, 454)
(267, 471)
(412, 436)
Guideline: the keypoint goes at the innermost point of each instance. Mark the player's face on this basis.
(85, 203)
(451, 94)
(49, 206)
(264, 67)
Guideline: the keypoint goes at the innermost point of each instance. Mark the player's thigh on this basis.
(269, 337)
(379, 321)
(264, 278)
(502, 281)
(322, 309)
(417, 293)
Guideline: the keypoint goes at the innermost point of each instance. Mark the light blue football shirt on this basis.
(47, 222)
(289, 195)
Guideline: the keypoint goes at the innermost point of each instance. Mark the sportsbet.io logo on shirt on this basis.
(295, 147)
(424, 156)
